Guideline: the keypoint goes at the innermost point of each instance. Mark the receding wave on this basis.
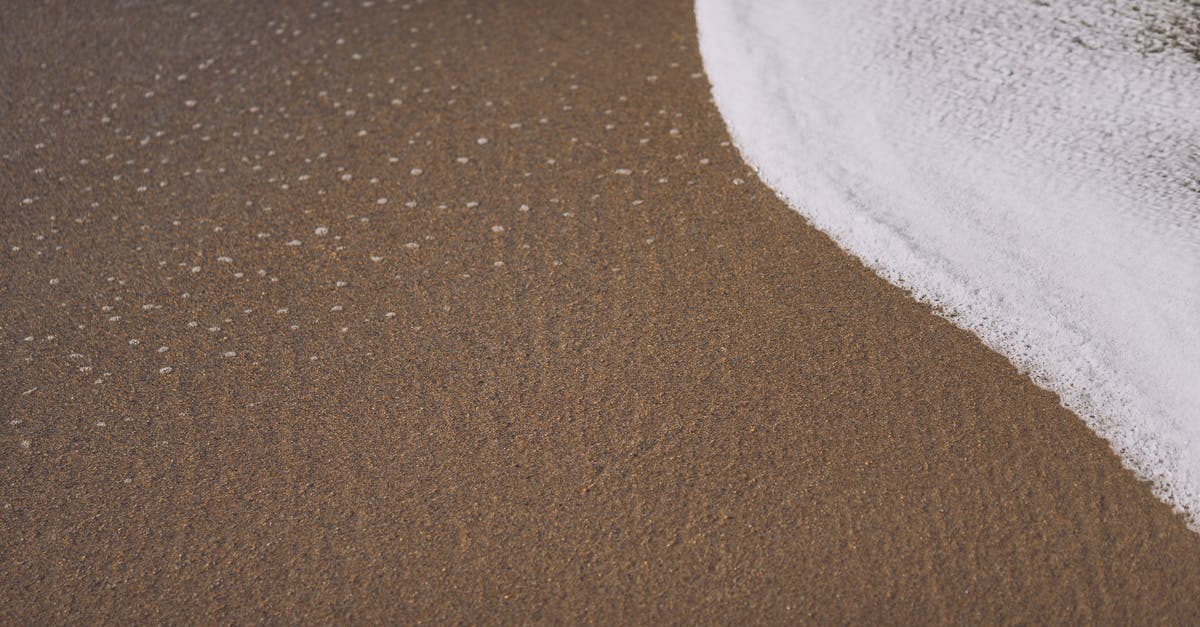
(1031, 168)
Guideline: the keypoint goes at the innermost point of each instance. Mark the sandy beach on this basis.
(454, 312)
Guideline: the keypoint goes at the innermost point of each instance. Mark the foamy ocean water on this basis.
(1029, 167)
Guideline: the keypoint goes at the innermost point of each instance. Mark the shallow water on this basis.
(1030, 168)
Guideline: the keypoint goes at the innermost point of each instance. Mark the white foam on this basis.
(1030, 168)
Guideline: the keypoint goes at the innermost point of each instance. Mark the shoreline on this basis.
(553, 388)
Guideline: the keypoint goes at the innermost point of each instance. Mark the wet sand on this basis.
(273, 353)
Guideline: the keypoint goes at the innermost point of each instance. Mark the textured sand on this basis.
(656, 395)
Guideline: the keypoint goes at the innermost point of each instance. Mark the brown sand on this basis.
(674, 401)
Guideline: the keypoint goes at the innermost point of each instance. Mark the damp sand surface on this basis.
(451, 312)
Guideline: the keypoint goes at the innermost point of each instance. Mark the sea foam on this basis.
(1032, 169)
